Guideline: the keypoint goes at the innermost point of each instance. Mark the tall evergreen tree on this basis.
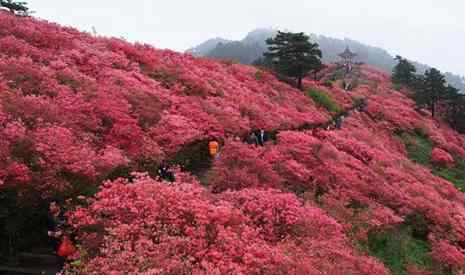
(293, 55)
(404, 72)
(455, 108)
(15, 6)
(430, 90)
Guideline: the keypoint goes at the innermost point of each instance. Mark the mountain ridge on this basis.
(246, 52)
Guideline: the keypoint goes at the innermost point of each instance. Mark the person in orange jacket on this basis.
(213, 148)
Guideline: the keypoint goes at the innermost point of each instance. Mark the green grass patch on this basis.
(418, 146)
(397, 249)
(455, 174)
(323, 99)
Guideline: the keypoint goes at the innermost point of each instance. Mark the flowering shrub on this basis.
(449, 254)
(80, 97)
(441, 157)
(76, 110)
(239, 167)
(154, 228)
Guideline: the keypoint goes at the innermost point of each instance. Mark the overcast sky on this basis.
(428, 31)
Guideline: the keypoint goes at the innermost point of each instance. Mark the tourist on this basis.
(55, 222)
(252, 139)
(338, 122)
(164, 173)
(213, 148)
(262, 137)
(60, 242)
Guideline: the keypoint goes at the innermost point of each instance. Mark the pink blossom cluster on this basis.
(153, 228)
(73, 105)
(441, 157)
(75, 108)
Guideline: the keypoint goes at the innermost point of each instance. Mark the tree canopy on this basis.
(15, 6)
(455, 108)
(404, 72)
(293, 55)
(433, 90)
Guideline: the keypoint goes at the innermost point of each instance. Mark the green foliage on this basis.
(418, 146)
(15, 6)
(323, 99)
(455, 174)
(397, 249)
(404, 72)
(430, 90)
(293, 55)
(455, 108)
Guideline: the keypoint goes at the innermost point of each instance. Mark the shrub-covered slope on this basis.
(79, 114)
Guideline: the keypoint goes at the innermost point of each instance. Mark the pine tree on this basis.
(15, 7)
(404, 72)
(455, 108)
(293, 55)
(430, 90)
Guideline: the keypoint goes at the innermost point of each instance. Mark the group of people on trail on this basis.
(258, 139)
(60, 238)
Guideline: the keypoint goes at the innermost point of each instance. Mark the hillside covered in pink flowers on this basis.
(87, 121)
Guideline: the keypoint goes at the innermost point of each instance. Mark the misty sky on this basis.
(428, 31)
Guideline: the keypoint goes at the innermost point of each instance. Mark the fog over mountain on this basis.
(253, 46)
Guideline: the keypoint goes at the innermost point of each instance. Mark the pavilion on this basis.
(347, 56)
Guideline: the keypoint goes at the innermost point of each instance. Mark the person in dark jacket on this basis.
(362, 106)
(55, 224)
(262, 137)
(252, 139)
(164, 173)
(338, 122)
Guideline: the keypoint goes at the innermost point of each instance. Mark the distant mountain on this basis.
(204, 48)
(253, 46)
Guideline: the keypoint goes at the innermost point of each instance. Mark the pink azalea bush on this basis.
(154, 228)
(441, 157)
(76, 110)
(71, 98)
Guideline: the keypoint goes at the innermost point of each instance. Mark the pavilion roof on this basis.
(347, 53)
